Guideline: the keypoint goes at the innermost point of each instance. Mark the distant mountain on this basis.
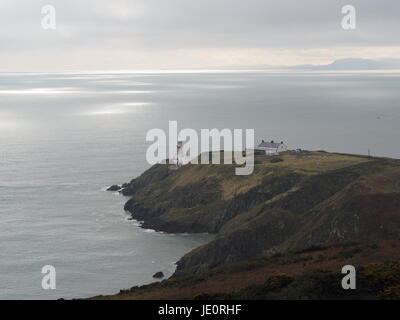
(339, 64)
(355, 64)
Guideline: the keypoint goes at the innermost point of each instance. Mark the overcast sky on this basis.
(153, 34)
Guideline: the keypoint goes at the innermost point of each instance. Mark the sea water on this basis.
(65, 137)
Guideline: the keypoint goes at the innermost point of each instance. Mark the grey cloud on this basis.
(198, 23)
(124, 33)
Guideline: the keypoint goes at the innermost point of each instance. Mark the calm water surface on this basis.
(65, 137)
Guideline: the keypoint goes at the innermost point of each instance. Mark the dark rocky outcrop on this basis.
(158, 275)
(114, 187)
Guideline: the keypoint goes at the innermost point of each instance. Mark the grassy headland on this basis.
(265, 221)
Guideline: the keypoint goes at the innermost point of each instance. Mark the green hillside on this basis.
(305, 200)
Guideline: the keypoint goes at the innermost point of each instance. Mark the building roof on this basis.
(271, 144)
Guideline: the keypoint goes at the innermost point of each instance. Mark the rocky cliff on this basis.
(306, 200)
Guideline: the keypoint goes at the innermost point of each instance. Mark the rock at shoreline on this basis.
(114, 187)
(158, 275)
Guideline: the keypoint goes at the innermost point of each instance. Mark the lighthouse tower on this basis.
(179, 154)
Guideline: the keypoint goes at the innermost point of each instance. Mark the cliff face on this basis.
(308, 200)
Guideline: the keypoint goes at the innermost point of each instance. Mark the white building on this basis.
(271, 148)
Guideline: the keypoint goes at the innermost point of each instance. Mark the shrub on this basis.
(277, 282)
(390, 293)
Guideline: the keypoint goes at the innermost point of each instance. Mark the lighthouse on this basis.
(179, 154)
